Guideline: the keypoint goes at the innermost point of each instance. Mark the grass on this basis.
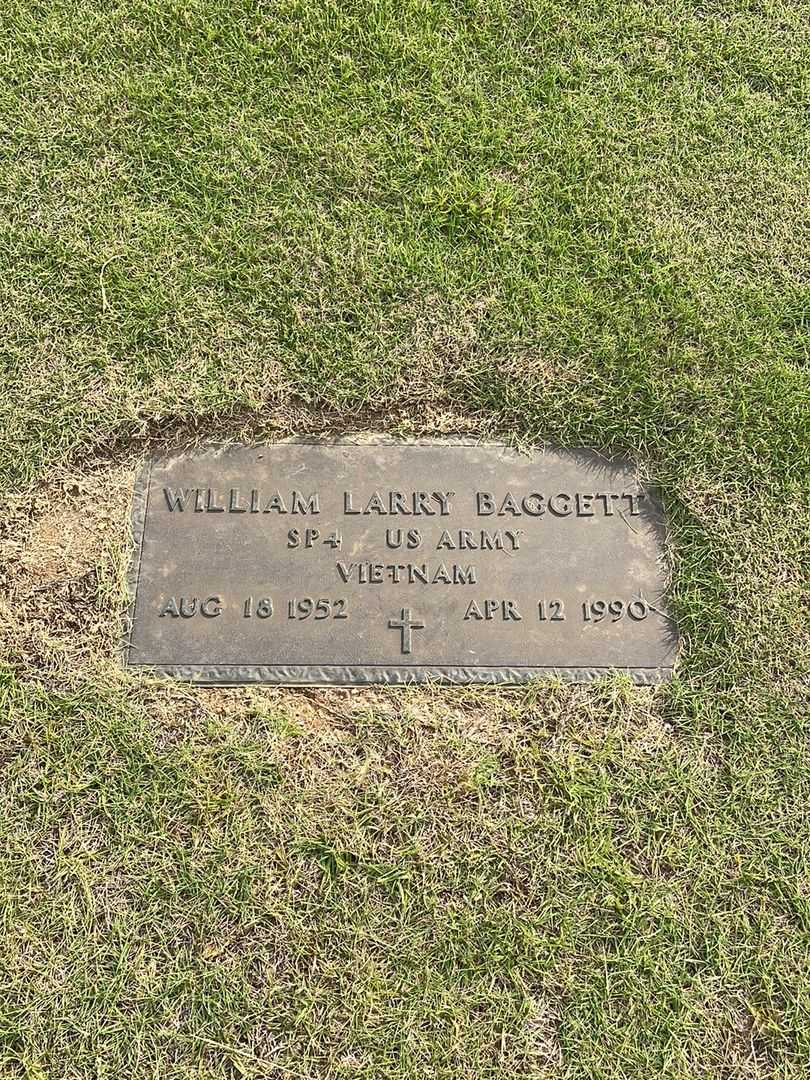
(575, 224)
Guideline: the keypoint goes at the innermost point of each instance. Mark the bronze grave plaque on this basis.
(395, 562)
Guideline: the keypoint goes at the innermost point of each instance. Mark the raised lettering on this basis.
(464, 575)
(177, 499)
(485, 502)
(276, 505)
(533, 504)
(473, 611)
(375, 505)
(509, 505)
(443, 499)
(310, 505)
(607, 502)
(554, 507)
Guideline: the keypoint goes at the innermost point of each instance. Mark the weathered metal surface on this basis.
(350, 563)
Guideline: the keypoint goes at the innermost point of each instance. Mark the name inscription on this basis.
(274, 564)
(535, 504)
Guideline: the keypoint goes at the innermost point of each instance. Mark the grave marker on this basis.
(347, 563)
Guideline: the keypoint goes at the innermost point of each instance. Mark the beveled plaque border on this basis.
(326, 674)
(390, 675)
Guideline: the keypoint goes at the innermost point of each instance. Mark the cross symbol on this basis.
(404, 624)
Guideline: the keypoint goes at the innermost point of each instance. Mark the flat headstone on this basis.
(392, 562)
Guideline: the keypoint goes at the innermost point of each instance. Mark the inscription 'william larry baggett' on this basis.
(342, 562)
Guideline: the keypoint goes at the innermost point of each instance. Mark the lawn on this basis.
(551, 223)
